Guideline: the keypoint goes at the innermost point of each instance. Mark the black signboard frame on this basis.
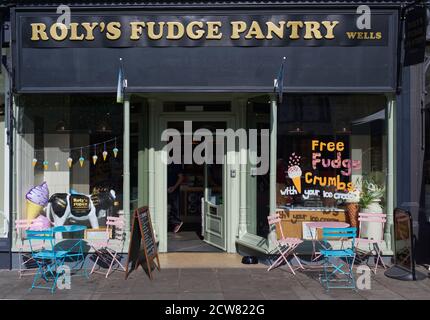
(142, 242)
(401, 270)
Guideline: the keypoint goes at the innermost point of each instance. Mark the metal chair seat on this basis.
(338, 253)
(290, 241)
(47, 254)
(366, 241)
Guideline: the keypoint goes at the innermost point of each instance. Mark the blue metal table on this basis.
(76, 251)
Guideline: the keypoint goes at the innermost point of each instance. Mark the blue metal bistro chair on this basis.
(48, 260)
(341, 261)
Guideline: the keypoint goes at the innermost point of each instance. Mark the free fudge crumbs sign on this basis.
(202, 30)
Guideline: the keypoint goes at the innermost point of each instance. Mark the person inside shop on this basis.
(175, 177)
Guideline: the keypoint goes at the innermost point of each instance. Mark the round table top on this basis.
(69, 228)
(327, 224)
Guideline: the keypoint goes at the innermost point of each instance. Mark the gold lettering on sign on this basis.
(213, 30)
(113, 30)
(312, 30)
(53, 31)
(175, 30)
(294, 25)
(254, 31)
(89, 28)
(195, 34)
(74, 32)
(278, 30)
(151, 30)
(136, 29)
(237, 27)
(329, 25)
(38, 32)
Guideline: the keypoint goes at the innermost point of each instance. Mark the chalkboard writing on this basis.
(142, 242)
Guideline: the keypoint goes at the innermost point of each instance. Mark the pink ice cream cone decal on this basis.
(294, 171)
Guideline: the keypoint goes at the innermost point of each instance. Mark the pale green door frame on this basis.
(157, 170)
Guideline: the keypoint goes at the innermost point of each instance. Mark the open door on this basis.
(213, 206)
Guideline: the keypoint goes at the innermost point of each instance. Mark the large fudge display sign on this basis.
(219, 51)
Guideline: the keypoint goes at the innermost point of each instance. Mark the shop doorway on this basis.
(196, 196)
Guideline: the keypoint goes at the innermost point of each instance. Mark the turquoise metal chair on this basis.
(48, 260)
(340, 261)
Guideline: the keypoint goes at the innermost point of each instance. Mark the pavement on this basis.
(226, 280)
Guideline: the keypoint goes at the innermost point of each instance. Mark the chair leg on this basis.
(110, 267)
(298, 261)
(94, 265)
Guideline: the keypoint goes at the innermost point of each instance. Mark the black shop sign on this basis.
(246, 30)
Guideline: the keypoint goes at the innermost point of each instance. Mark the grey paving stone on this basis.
(201, 296)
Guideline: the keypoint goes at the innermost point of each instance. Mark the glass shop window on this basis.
(331, 159)
(69, 159)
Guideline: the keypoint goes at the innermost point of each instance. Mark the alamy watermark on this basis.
(224, 146)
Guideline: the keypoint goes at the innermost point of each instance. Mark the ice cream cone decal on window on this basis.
(45, 165)
(105, 153)
(95, 155)
(34, 162)
(294, 172)
(81, 160)
(69, 162)
(115, 150)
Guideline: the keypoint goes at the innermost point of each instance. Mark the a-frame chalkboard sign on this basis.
(142, 247)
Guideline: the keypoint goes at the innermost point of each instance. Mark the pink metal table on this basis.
(320, 225)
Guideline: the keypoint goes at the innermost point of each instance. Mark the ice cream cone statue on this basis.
(294, 171)
(35, 200)
(69, 162)
(81, 161)
(95, 159)
(105, 153)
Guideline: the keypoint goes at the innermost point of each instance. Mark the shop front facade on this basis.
(197, 73)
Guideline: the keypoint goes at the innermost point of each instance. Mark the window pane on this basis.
(331, 151)
(69, 151)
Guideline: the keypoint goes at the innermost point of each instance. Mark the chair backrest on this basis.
(372, 217)
(275, 220)
(21, 225)
(340, 234)
(37, 235)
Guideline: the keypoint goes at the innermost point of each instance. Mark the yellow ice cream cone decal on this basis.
(298, 184)
(105, 153)
(34, 162)
(95, 159)
(69, 162)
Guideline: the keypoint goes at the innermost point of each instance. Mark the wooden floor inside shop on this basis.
(203, 260)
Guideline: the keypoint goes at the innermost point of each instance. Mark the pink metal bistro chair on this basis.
(285, 246)
(27, 265)
(108, 251)
(372, 244)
